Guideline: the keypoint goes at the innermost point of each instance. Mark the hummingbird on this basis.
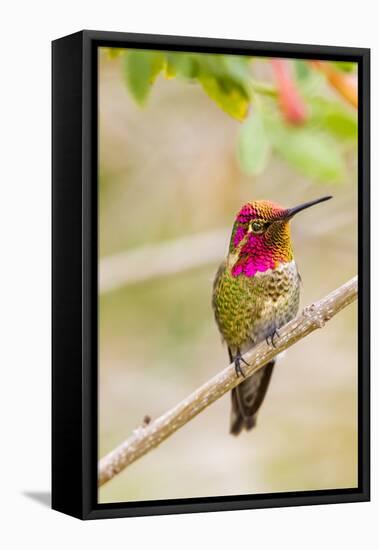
(255, 292)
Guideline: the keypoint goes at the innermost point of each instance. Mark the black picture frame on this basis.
(74, 273)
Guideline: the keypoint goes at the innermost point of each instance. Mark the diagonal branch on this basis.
(146, 438)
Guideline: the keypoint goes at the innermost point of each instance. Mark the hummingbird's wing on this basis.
(238, 302)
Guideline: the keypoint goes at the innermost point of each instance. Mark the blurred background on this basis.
(184, 141)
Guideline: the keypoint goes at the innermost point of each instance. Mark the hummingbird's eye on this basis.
(257, 227)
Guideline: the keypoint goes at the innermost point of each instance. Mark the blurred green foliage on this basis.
(346, 66)
(316, 147)
(141, 69)
(254, 144)
(308, 149)
(167, 171)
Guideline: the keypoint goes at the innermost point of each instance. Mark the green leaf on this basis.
(345, 66)
(308, 150)
(253, 144)
(235, 67)
(226, 79)
(229, 96)
(141, 68)
(334, 117)
(115, 52)
(181, 64)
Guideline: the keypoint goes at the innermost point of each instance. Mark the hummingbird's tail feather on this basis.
(237, 421)
(248, 397)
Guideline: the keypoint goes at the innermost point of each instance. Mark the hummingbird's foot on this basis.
(271, 337)
(237, 365)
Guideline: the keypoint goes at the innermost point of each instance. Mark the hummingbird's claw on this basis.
(237, 366)
(270, 338)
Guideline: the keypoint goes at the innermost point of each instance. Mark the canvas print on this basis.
(227, 230)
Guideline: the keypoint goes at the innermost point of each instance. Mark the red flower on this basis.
(291, 103)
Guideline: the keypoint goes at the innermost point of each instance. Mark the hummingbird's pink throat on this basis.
(257, 253)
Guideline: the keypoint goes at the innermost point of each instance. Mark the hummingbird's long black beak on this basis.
(296, 209)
